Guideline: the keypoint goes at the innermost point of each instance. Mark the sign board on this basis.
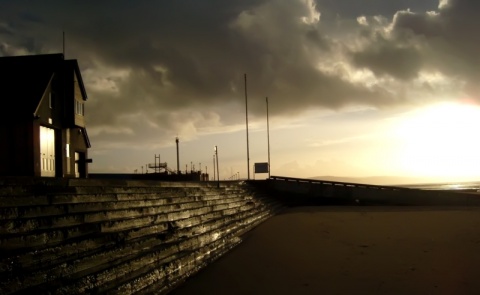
(260, 168)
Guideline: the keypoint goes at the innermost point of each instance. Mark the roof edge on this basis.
(43, 95)
(76, 68)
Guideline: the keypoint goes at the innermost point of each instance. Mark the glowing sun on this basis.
(441, 141)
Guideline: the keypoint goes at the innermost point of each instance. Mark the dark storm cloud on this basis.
(355, 8)
(439, 41)
(386, 58)
(203, 49)
(449, 39)
(150, 62)
(452, 30)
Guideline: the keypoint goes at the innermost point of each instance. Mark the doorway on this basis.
(47, 152)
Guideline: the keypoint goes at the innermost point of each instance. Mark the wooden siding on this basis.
(77, 92)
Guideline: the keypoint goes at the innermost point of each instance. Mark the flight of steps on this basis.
(118, 237)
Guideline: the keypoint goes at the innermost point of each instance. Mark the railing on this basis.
(337, 183)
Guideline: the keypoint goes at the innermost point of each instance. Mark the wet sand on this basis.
(351, 250)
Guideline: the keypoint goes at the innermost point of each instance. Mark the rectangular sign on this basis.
(260, 168)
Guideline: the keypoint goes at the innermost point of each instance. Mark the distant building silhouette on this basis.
(42, 126)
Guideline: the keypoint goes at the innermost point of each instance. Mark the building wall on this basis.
(50, 115)
(36, 148)
(20, 146)
(56, 111)
(4, 150)
(16, 148)
(79, 105)
(73, 141)
(76, 104)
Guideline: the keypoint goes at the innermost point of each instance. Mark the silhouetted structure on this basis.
(42, 130)
(178, 156)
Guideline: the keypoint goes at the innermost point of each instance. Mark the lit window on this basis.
(79, 108)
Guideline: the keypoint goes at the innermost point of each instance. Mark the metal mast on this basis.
(246, 121)
(178, 157)
(218, 170)
(214, 169)
(268, 140)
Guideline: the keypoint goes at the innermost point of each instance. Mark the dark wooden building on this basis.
(42, 126)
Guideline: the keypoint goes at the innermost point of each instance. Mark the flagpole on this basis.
(63, 44)
(246, 122)
(268, 139)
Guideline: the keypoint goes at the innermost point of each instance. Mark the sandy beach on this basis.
(352, 250)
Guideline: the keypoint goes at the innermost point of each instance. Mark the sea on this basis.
(454, 186)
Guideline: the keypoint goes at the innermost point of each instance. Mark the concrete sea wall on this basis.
(297, 191)
(118, 237)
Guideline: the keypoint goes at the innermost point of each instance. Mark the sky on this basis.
(355, 88)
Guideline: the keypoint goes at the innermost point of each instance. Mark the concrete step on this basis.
(136, 282)
(135, 227)
(105, 259)
(74, 235)
(159, 283)
(46, 188)
(85, 197)
(43, 231)
(86, 182)
(104, 211)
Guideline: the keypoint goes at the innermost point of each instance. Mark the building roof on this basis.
(72, 64)
(24, 80)
(85, 136)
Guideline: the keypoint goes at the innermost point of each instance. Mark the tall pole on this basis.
(268, 140)
(218, 171)
(178, 157)
(214, 175)
(63, 44)
(246, 122)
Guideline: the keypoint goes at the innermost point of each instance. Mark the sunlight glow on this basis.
(441, 141)
(313, 16)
